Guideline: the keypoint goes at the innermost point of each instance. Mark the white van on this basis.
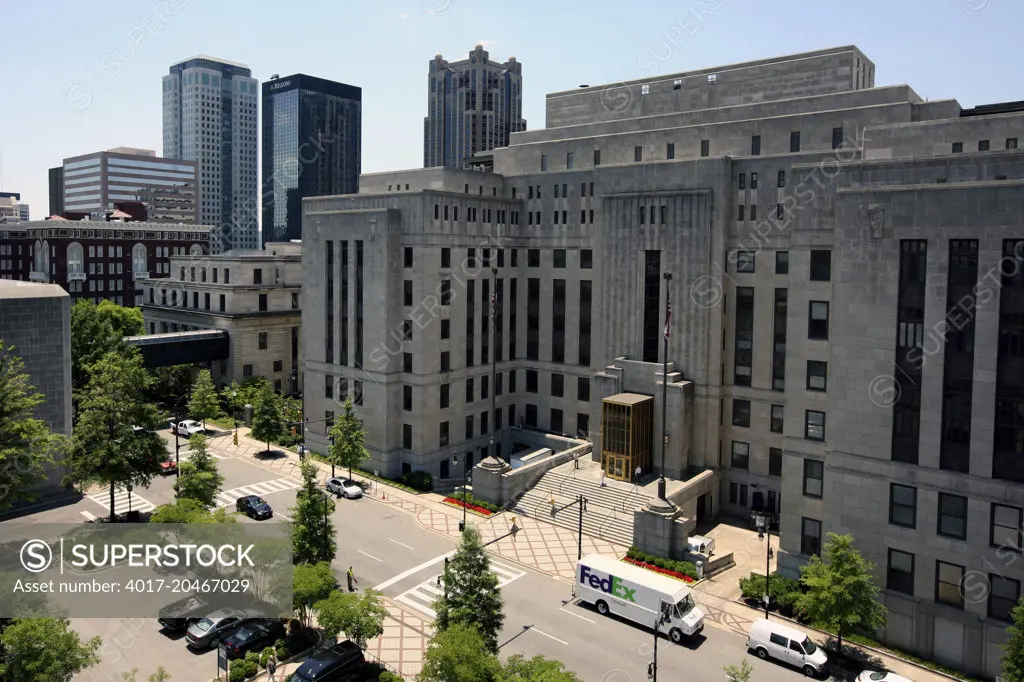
(701, 545)
(769, 639)
(638, 595)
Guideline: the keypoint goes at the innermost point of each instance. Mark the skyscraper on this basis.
(56, 190)
(210, 117)
(312, 132)
(472, 106)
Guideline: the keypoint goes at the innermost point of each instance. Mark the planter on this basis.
(471, 507)
(663, 571)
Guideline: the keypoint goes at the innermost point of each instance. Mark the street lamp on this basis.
(234, 412)
(664, 388)
(765, 534)
(465, 485)
(327, 538)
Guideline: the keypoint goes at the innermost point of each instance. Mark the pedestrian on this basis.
(576, 461)
(602, 478)
(352, 582)
(272, 667)
(515, 529)
(637, 474)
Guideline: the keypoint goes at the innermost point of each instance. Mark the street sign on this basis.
(222, 659)
(765, 599)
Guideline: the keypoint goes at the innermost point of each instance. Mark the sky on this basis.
(81, 77)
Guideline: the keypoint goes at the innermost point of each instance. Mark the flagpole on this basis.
(495, 452)
(664, 387)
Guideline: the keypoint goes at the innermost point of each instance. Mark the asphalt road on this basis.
(389, 550)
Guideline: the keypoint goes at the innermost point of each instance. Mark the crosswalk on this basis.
(121, 498)
(423, 596)
(228, 497)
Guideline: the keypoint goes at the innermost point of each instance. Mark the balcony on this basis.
(76, 275)
(35, 276)
(140, 274)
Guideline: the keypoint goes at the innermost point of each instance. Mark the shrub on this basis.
(418, 480)
(388, 676)
(265, 656)
(782, 591)
(237, 673)
(250, 668)
(687, 568)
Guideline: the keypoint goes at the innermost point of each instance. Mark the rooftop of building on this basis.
(301, 81)
(208, 58)
(135, 151)
(12, 288)
(64, 223)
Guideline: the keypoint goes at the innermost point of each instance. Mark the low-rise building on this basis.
(253, 295)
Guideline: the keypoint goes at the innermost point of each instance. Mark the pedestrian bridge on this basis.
(181, 348)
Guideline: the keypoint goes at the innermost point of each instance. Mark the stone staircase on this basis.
(609, 513)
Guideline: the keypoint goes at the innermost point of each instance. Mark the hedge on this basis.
(782, 591)
(687, 568)
(475, 502)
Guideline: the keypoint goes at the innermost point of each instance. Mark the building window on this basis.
(1011, 143)
(556, 421)
(263, 303)
(780, 314)
(586, 259)
(1006, 525)
(814, 425)
(531, 416)
(583, 389)
(582, 425)
(569, 161)
(958, 147)
(407, 293)
(543, 162)
(745, 261)
(531, 381)
(442, 440)
(511, 381)
(446, 291)
(810, 537)
(533, 258)
(407, 436)
(900, 574)
(1008, 451)
(670, 151)
(445, 395)
(559, 258)
(952, 516)
(821, 266)
(740, 455)
(794, 141)
(263, 340)
(949, 579)
(246, 370)
(222, 302)
(744, 336)
(446, 363)
(741, 412)
(902, 505)
(814, 474)
(740, 212)
(817, 375)
(557, 385)
(469, 426)
(638, 154)
(777, 418)
(983, 145)
(407, 330)
(906, 412)
(597, 157)
(741, 181)
(278, 366)
(407, 363)
(257, 276)
(446, 257)
(755, 145)
(774, 461)
(837, 137)
(446, 329)
(469, 390)
(958, 377)
(1004, 593)
(407, 257)
(817, 321)
(329, 387)
(781, 180)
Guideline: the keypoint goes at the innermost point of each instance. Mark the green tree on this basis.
(740, 673)
(459, 654)
(171, 385)
(160, 675)
(115, 441)
(45, 650)
(1013, 649)
(347, 436)
(471, 595)
(359, 615)
(204, 403)
(97, 330)
(840, 593)
(199, 479)
(313, 536)
(186, 510)
(518, 668)
(237, 395)
(267, 419)
(311, 583)
(26, 445)
(125, 321)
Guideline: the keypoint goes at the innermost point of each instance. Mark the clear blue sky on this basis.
(970, 50)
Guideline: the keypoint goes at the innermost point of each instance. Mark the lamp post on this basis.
(327, 539)
(664, 387)
(579, 546)
(177, 444)
(465, 492)
(494, 357)
(763, 533)
(234, 412)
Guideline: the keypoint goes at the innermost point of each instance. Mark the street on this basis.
(390, 551)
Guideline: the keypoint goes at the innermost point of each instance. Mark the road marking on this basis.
(412, 571)
(282, 516)
(90, 516)
(423, 596)
(229, 497)
(578, 616)
(399, 543)
(121, 500)
(369, 555)
(541, 632)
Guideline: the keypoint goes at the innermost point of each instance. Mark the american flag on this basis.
(668, 317)
(494, 305)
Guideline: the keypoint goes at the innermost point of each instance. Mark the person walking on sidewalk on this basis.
(637, 474)
(352, 582)
(514, 530)
(602, 478)
(272, 667)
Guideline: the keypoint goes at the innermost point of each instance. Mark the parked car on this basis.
(187, 428)
(178, 616)
(207, 633)
(341, 663)
(872, 676)
(255, 635)
(168, 466)
(344, 487)
(254, 506)
(769, 639)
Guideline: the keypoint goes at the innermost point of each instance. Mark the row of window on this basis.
(257, 275)
(1005, 522)
(556, 424)
(984, 145)
(491, 216)
(814, 429)
(821, 263)
(337, 389)
(559, 259)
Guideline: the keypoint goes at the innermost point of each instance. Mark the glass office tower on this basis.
(312, 146)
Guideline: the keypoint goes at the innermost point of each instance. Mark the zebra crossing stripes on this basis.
(423, 596)
(228, 497)
(121, 499)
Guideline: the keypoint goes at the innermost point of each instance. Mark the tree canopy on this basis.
(359, 615)
(45, 650)
(459, 654)
(471, 595)
(204, 403)
(97, 330)
(1013, 649)
(348, 433)
(198, 477)
(267, 419)
(313, 533)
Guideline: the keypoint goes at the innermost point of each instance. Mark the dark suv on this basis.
(341, 663)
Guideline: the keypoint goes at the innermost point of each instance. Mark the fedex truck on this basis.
(639, 595)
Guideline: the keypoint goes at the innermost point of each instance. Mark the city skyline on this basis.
(88, 95)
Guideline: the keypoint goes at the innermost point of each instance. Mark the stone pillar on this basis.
(656, 531)
(487, 480)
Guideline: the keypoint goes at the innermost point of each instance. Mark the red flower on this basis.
(658, 569)
(460, 503)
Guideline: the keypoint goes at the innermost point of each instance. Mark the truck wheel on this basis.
(809, 671)
(602, 607)
(676, 635)
(762, 653)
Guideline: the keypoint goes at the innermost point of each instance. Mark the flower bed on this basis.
(664, 571)
(471, 507)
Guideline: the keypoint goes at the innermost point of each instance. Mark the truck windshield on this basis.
(685, 605)
(809, 647)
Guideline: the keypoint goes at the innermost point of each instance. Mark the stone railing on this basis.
(500, 484)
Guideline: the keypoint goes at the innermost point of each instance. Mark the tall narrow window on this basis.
(958, 375)
(533, 319)
(906, 411)
(357, 353)
(1008, 454)
(652, 320)
(794, 141)
(470, 322)
(558, 321)
(512, 302)
(485, 321)
(744, 341)
(329, 322)
(779, 340)
(497, 312)
(586, 293)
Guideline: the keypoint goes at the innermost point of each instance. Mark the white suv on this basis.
(188, 428)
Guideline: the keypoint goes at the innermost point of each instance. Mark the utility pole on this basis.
(652, 669)
(494, 356)
(583, 508)
(177, 450)
(664, 387)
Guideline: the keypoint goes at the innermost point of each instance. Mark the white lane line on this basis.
(412, 571)
(369, 555)
(89, 516)
(289, 519)
(578, 616)
(402, 544)
(541, 632)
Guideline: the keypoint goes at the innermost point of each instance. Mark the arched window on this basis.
(196, 250)
(139, 260)
(76, 258)
(39, 256)
(46, 257)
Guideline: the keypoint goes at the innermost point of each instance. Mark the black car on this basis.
(254, 507)
(341, 663)
(255, 635)
(177, 617)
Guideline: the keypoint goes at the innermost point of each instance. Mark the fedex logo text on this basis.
(610, 585)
